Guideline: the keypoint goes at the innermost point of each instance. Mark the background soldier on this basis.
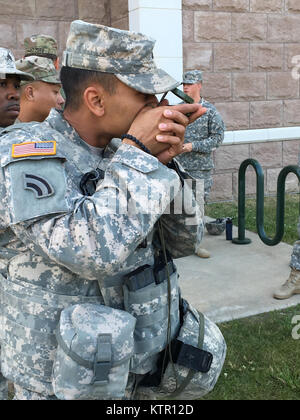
(10, 79)
(201, 138)
(292, 285)
(71, 245)
(43, 46)
(39, 96)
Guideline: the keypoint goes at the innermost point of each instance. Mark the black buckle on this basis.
(160, 272)
(101, 371)
(191, 357)
(139, 278)
(103, 359)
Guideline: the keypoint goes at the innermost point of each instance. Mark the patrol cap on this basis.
(127, 55)
(40, 45)
(192, 76)
(41, 68)
(8, 66)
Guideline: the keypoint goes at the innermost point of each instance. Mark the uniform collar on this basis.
(82, 156)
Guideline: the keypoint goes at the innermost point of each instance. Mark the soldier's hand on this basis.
(187, 147)
(159, 128)
(195, 112)
(162, 129)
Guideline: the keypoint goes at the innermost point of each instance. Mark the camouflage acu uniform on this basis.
(295, 258)
(60, 247)
(74, 243)
(42, 46)
(7, 67)
(3, 381)
(205, 134)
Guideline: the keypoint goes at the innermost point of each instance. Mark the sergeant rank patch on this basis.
(34, 148)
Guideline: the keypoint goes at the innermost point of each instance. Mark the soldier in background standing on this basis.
(42, 94)
(201, 138)
(43, 46)
(10, 79)
(292, 285)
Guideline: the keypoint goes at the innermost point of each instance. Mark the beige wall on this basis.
(245, 49)
(22, 18)
(272, 156)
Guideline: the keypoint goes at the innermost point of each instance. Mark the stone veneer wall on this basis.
(245, 49)
(22, 18)
(272, 155)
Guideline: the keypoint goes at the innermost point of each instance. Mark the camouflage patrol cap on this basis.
(41, 68)
(191, 77)
(40, 45)
(8, 66)
(127, 55)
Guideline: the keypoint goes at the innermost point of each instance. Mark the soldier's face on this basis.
(9, 100)
(124, 105)
(46, 96)
(192, 90)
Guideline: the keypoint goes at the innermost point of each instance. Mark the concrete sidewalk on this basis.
(238, 280)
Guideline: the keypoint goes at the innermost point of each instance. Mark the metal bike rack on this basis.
(241, 240)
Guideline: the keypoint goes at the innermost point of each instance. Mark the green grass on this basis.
(263, 359)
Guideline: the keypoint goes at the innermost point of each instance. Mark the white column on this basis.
(161, 20)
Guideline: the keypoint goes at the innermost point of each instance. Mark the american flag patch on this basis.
(34, 148)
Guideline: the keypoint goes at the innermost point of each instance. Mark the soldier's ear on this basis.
(56, 63)
(93, 98)
(29, 92)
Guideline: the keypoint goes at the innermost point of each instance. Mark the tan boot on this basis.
(202, 253)
(290, 287)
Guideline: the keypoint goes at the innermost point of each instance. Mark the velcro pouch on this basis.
(95, 344)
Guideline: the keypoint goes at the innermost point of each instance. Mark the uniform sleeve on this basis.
(215, 137)
(183, 220)
(93, 236)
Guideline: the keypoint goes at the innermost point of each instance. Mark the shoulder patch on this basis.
(39, 185)
(34, 148)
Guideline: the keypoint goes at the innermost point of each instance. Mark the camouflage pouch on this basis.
(95, 344)
(156, 309)
(192, 365)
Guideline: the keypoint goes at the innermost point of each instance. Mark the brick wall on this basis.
(22, 18)
(272, 156)
(245, 48)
